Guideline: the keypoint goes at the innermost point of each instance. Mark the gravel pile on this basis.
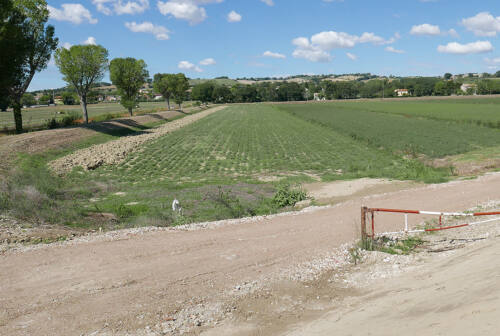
(114, 152)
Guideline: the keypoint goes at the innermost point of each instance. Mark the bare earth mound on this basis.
(114, 152)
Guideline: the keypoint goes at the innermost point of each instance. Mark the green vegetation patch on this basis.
(400, 134)
(480, 111)
(260, 140)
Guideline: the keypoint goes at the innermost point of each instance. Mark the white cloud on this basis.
(208, 61)
(425, 29)
(328, 40)
(188, 10)
(185, 65)
(67, 45)
(183, 10)
(483, 24)
(394, 50)
(432, 30)
(469, 48)
(273, 54)
(120, 7)
(233, 17)
(317, 48)
(352, 56)
(90, 41)
(268, 2)
(160, 32)
(309, 52)
(74, 13)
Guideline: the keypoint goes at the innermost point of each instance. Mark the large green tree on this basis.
(31, 53)
(181, 86)
(12, 38)
(128, 74)
(165, 84)
(82, 66)
(204, 92)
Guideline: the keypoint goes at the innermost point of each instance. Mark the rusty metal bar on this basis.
(394, 210)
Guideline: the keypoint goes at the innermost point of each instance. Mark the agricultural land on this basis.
(242, 174)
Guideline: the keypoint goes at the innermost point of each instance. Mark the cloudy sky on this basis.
(245, 38)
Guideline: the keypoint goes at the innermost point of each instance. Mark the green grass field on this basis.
(34, 117)
(406, 131)
(480, 111)
(227, 164)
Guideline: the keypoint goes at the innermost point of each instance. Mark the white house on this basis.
(465, 87)
(402, 92)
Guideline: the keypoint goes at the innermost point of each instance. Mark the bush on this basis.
(71, 118)
(51, 123)
(288, 195)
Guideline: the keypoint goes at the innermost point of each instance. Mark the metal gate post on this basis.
(363, 222)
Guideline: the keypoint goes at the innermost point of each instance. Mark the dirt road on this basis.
(134, 283)
(455, 296)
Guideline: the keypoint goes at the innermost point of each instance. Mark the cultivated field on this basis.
(481, 111)
(169, 273)
(405, 128)
(231, 162)
(34, 117)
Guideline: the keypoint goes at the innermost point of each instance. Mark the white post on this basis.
(406, 222)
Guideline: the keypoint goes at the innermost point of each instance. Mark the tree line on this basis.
(212, 92)
(30, 43)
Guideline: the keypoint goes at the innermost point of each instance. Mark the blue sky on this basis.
(258, 38)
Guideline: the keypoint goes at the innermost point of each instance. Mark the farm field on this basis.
(480, 111)
(404, 128)
(34, 117)
(231, 163)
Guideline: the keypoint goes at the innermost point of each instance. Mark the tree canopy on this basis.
(128, 74)
(82, 66)
(30, 43)
(164, 84)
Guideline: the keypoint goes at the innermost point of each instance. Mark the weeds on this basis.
(391, 246)
(288, 195)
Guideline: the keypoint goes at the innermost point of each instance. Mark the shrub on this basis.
(71, 118)
(287, 195)
(51, 123)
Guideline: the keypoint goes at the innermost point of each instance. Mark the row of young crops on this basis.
(214, 165)
(404, 131)
(479, 111)
(247, 141)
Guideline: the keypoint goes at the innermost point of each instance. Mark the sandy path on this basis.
(455, 296)
(127, 284)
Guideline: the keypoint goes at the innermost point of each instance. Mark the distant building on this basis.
(318, 96)
(112, 98)
(467, 87)
(402, 92)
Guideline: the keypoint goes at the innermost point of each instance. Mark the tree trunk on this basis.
(168, 103)
(130, 111)
(18, 117)
(83, 103)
